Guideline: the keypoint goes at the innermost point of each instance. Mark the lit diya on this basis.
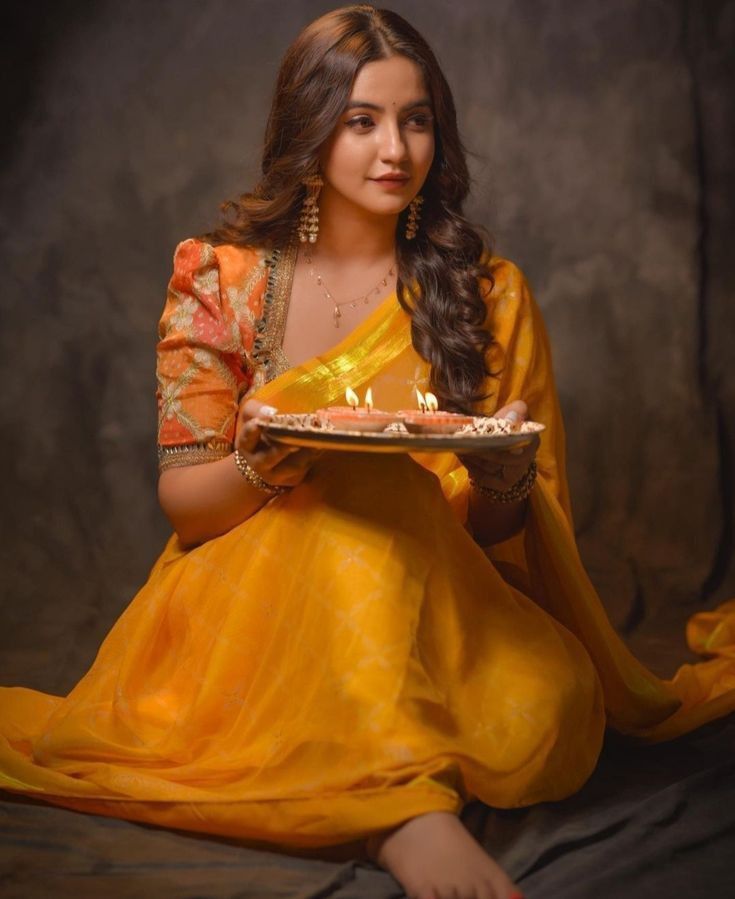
(356, 418)
(427, 419)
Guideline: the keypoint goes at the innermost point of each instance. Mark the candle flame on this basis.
(422, 401)
(432, 404)
(352, 398)
(369, 399)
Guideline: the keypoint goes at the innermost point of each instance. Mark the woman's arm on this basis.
(492, 521)
(204, 501)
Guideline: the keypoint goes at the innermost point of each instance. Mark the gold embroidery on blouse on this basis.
(171, 406)
(269, 329)
(240, 298)
(192, 453)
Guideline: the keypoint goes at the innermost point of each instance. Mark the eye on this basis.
(360, 122)
(420, 120)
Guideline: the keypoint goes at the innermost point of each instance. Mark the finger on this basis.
(286, 472)
(529, 449)
(489, 456)
(305, 458)
(256, 409)
(515, 411)
(493, 458)
(511, 460)
(265, 459)
(292, 470)
(529, 443)
(248, 437)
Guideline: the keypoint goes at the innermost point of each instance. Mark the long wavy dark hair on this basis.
(445, 260)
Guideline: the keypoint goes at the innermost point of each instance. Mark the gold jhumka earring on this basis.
(414, 214)
(309, 220)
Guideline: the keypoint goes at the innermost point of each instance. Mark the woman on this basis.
(347, 647)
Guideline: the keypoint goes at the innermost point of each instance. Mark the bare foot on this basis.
(433, 856)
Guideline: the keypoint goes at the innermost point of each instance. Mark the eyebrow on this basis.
(354, 104)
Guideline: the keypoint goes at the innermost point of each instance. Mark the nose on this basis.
(392, 143)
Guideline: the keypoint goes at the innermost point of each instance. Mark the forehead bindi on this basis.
(396, 83)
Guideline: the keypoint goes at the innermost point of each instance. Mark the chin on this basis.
(389, 205)
(386, 205)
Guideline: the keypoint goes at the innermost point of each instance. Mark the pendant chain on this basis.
(363, 298)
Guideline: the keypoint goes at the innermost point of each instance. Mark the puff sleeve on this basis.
(201, 363)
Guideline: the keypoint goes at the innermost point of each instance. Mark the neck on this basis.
(348, 233)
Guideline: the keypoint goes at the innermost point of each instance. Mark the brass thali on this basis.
(396, 441)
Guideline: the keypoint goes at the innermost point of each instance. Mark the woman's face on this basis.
(386, 130)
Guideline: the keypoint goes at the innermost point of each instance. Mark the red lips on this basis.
(396, 176)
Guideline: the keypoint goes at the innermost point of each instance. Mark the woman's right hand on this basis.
(276, 463)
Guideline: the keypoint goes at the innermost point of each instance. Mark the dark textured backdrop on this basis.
(603, 132)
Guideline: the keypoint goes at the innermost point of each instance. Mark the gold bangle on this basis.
(514, 493)
(252, 476)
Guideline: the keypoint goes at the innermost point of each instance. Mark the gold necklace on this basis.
(363, 298)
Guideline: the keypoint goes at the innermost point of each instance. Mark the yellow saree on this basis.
(348, 657)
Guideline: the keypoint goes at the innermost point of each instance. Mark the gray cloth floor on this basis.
(652, 821)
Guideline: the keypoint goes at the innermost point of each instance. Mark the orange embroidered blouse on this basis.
(210, 349)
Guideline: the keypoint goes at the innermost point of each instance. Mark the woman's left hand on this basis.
(501, 468)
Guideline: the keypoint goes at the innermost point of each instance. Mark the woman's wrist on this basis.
(500, 492)
(492, 522)
(253, 478)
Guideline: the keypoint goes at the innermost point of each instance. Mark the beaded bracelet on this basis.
(252, 477)
(514, 493)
